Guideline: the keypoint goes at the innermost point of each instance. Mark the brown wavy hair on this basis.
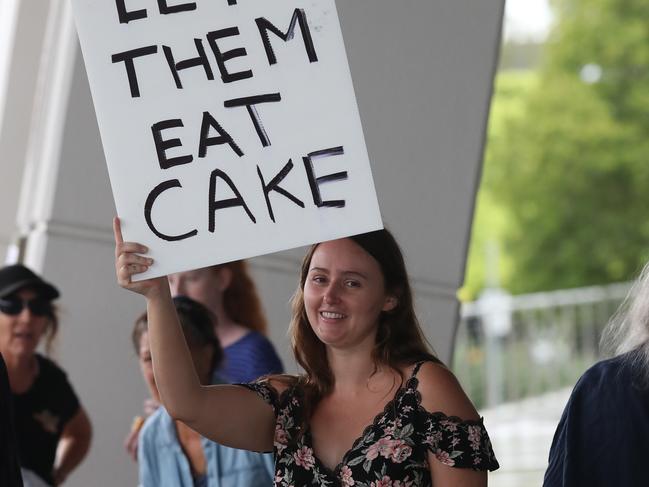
(399, 340)
(241, 300)
(52, 329)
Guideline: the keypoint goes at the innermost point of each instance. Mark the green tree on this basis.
(570, 169)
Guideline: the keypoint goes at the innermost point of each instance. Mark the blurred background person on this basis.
(228, 291)
(603, 435)
(52, 428)
(170, 454)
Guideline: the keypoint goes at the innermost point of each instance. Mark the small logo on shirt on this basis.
(48, 421)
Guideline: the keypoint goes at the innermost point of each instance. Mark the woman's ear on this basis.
(391, 302)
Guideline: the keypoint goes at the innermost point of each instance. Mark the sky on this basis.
(527, 19)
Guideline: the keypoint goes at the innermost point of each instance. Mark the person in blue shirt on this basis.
(170, 454)
(229, 292)
(603, 436)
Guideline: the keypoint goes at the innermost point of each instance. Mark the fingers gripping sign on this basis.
(129, 262)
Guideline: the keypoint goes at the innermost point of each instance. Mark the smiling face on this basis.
(21, 333)
(344, 294)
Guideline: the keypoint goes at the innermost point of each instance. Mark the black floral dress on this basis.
(391, 452)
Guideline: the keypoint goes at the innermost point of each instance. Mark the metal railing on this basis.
(512, 347)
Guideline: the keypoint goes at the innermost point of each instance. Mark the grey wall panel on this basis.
(83, 197)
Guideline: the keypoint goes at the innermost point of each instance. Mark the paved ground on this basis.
(521, 434)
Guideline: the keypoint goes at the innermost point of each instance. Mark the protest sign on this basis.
(230, 127)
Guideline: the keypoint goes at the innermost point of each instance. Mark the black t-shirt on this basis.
(9, 469)
(41, 415)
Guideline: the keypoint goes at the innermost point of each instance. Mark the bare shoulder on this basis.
(441, 392)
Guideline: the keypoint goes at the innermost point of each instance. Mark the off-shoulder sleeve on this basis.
(266, 391)
(456, 442)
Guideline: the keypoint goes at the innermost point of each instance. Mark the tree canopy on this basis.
(565, 188)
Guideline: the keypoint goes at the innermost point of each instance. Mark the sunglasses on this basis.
(14, 306)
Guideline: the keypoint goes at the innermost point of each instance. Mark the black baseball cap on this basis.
(17, 276)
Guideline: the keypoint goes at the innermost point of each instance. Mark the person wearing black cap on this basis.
(53, 430)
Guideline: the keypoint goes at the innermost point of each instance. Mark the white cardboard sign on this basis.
(230, 127)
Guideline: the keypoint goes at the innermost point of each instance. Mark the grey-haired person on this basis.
(603, 436)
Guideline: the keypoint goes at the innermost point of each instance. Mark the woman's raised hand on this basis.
(129, 262)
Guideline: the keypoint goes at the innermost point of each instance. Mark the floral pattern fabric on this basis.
(391, 452)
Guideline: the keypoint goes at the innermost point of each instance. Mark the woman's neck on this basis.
(353, 369)
(227, 330)
(22, 371)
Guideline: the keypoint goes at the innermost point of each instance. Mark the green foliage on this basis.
(492, 218)
(566, 177)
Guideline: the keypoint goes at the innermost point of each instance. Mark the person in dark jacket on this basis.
(603, 435)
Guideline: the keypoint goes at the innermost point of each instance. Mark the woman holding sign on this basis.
(374, 408)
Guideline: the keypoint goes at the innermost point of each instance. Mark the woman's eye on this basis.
(352, 283)
(319, 279)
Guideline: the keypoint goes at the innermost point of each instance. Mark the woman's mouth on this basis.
(24, 336)
(332, 315)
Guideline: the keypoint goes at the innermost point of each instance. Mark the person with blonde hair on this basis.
(373, 407)
(603, 436)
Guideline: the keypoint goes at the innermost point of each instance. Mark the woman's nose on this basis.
(331, 294)
(25, 314)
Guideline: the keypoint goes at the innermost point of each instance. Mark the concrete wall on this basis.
(423, 74)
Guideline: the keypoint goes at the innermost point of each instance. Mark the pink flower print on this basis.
(400, 451)
(475, 435)
(346, 476)
(444, 457)
(402, 483)
(384, 482)
(382, 447)
(433, 439)
(281, 438)
(304, 458)
(448, 425)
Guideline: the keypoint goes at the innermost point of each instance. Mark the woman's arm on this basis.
(230, 415)
(73, 446)
(441, 392)
(443, 475)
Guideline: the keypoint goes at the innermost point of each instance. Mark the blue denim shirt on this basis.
(162, 462)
